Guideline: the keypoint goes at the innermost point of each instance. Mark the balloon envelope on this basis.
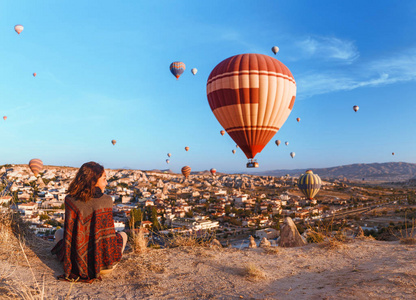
(298, 119)
(286, 143)
(169, 155)
(233, 151)
(35, 165)
(167, 161)
(355, 108)
(277, 142)
(309, 184)
(392, 153)
(114, 142)
(194, 71)
(34, 74)
(186, 171)
(251, 95)
(222, 132)
(5, 118)
(213, 171)
(292, 154)
(177, 68)
(275, 49)
(18, 28)
(186, 148)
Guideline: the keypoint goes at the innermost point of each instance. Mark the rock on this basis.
(265, 243)
(289, 235)
(360, 232)
(252, 242)
(216, 243)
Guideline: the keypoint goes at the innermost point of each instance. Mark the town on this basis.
(231, 206)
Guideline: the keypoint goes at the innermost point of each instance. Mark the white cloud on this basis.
(400, 68)
(328, 48)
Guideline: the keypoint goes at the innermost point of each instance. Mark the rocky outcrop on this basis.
(265, 243)
(289, 235)
(252, 242)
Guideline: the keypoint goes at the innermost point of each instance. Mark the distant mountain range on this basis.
(392, 171)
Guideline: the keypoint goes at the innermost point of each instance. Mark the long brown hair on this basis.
(83, 186)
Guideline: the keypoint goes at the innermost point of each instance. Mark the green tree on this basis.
(136, 218)
(154, 220)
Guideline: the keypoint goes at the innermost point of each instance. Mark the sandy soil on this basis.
(362, 269)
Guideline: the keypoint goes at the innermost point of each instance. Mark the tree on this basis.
(154, 220)
(136, 218)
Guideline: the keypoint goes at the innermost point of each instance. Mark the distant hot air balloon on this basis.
(286, 143)
(251, 95)
(18, 28)
(277, 142)
(113, 142)
(177, 68)
(298, 119)
(34, 74)
(194, 71)
(167, 161)
(35, 165)
(169, 155)
(292, 154)
(186, 148)
(233, 151)
(237, 146)
(309, 184)
(275, 49)
(213, 171)
(222, 132)
(186, 171)
(392, 153)
(5, 118)
(355, 108)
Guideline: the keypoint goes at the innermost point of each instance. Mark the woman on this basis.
(89, 243)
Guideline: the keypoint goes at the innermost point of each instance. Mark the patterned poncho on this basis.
(90, 242)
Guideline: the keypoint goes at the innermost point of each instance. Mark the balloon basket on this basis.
(252, 164)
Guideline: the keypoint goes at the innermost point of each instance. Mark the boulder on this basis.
(252, 242)
(360, 232)
(265, 243)
(216, 244)
(289, 235)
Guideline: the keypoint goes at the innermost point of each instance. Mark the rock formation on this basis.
(252, 242)
(265, 243)
(289, 235)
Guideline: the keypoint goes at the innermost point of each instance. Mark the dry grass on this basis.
(252, 272)
(328, 238)
(272, 250)
(408, 237)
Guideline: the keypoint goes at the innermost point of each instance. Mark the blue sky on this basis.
(103, 73)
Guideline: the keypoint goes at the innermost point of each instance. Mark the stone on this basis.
(216, 243)
(360, 232)
(252, 242)
(265, 243)
(289, 235)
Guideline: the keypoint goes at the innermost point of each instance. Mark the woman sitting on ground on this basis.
(88, 243)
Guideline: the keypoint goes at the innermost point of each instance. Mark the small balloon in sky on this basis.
(169, 155)
(277, 142)
(222, 132)
(5, 118)
(194, 70)
(177, 68)
(275, 49)
(34, 74)
(213, 171)
(18, 28)
(186, 148)
(167, 161)
(392, 153)
(355, 108)
(298, 119)
(286, 143)
(186, 170)
(292, 154)
(35, 165)
(113, 142)
(233, 151)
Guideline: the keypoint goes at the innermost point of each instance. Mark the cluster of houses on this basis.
(202, 202)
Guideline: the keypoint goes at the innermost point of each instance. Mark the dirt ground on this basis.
(362, 269)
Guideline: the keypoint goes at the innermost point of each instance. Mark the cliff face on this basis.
(361, 269)
(393, 171)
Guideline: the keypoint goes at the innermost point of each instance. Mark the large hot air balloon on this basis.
(309, 184)
(298, 119)
(18, 28)
(286, 143)
(5, 118)
(222, 132)
(277, 142)
(186, 148)
(35, 165)
(355, 108)
(275, 49)
(251, 95)
(167, 161)
(34, 74)
(113, 142)
(292, 154)
(186, 171)
(213, 171)
(177, 68)
(169, 155)
(233, 151)
(194, 71)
